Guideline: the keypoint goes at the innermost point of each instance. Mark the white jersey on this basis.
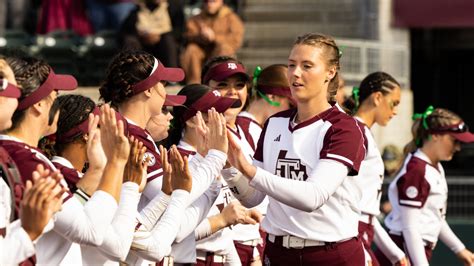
(423, 185)
(371, 174)
(246, 135)
(293, 151)
(218, 241)
(15, 244)
(75, 223)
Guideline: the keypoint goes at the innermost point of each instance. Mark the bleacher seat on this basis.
(14, 40)
(95, 53)
(59, 49)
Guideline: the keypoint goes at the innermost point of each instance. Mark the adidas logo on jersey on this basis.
(290, 168)
(277, 138)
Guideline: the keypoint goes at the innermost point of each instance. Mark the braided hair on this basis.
(439, 118)
(30, 73)
(330, 53)
(126, 69)
(74, 109)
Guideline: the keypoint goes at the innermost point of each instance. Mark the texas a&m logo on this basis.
(231, 66)
(290, 168)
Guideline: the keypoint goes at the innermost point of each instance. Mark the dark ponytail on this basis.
(374, 82)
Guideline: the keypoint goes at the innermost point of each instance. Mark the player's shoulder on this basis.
(342, 122)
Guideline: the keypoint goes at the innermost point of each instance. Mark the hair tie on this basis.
(339, 49)
(256, 74)
(355, 95)
(423, 116)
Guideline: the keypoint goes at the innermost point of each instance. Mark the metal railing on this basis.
(361, 57)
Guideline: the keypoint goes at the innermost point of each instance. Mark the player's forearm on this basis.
(205, 171)
(119, 238)
(306, 195)
(241, 189)
(111, 181)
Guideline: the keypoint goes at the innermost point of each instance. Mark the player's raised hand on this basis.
(217, 133)
(236, 158)
(42, 198)
(181, 178)
(167, 187)
(135, 169)
(95, 152)
(114, 141)
(202, 132)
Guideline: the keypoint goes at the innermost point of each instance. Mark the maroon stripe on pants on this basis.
(245, 253)
(366, 235)
(347, 253)
(400, 242)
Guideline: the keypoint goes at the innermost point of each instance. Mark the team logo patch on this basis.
(231, 66)
(290, 168)
(411, 192)
(152, 159)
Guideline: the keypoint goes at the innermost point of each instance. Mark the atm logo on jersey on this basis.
(290, 168)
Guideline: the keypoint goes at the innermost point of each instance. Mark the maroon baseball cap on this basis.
(159, 73)
(9, 90)
(459, 131)
(52, 82)
(209, 100)
(224, 70)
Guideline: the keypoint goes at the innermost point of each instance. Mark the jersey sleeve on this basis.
(344, 142)
(413, 188)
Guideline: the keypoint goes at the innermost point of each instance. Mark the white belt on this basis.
(202, 255)
(168, 261)
(253, 242)
(296, 242)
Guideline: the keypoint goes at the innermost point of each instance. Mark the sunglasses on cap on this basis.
(456, 128)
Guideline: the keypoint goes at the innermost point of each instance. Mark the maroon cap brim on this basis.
(174, 100)
(208, 101)
(64, 82)
(160, 73)
(465, 137)
(172, 74)
(224, 103)
(9, 90)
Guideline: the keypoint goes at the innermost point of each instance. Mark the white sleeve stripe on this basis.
(411, 202)
(335, 156)
(150, 174)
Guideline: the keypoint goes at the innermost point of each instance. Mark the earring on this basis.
(326, 81)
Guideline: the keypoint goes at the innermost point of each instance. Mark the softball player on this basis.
(16, 238)
(305, 160)
(375, 101)
(228, 76)
(135, 85)
(33, 118)
(419, 192)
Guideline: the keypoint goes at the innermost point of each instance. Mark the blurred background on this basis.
(427, 45)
